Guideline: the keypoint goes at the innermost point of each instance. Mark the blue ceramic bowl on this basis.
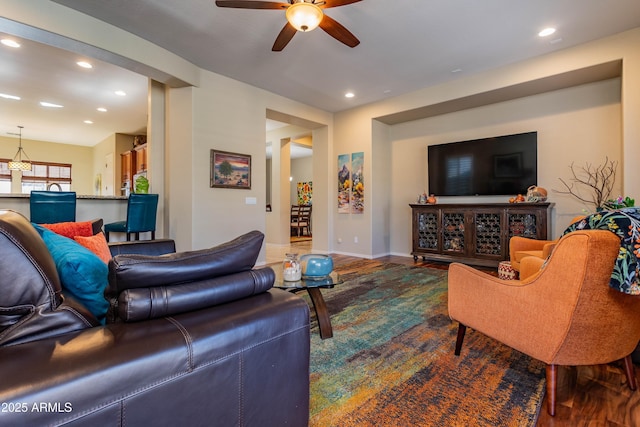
(316, 265)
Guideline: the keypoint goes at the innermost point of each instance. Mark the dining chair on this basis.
(141, 217)
(49, 207)
(301, 219)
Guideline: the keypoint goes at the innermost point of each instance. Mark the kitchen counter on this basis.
(88, 197)
(88, 207)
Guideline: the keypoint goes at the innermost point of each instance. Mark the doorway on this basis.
(301, 189)
(313, 137)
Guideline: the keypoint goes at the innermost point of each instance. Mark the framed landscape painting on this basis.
(230, 170)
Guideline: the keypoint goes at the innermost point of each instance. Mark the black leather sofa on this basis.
(192, 339)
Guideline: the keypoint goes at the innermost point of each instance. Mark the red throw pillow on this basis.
(96, 244)
(71, 229)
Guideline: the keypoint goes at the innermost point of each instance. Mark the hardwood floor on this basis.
(586, 395)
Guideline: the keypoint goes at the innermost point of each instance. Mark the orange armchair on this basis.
(564, 314)
(522, 247)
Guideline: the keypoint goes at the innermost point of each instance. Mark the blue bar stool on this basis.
(49, 207)
(141, 217)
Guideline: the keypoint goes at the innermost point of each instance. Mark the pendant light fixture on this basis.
(17, 164)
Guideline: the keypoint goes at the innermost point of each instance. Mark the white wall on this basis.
(353, 134)
(322, 213)
(381, 180)
(179, 179)
(114, 145)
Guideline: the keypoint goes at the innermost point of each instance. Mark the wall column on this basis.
(631, 125)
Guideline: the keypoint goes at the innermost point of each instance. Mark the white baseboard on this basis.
(353, 254)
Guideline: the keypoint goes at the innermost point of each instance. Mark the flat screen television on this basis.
(503, 165)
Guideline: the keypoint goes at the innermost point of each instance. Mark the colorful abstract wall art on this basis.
(305, 191)
(357, 183)
(351, 183)
(344, 182)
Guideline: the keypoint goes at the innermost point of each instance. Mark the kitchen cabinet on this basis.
(141, 158)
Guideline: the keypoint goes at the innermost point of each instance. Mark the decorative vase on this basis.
(536, 194)
(316, 265)
(291, 269)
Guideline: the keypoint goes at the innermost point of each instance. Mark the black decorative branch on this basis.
(598, 179)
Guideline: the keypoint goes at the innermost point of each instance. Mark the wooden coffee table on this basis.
(312, 285)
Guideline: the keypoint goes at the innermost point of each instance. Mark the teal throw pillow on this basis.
(83, 275)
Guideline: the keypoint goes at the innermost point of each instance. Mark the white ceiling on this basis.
(36, 72)
(405, 45)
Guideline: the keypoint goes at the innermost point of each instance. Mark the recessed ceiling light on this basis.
(50, 105)
(10, 43)
(349, 95)
(547, 32)
(120, 93)
(89, 122)
(7, 96)
(84, 64)
(102, 109)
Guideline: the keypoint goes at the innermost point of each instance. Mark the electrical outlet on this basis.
(339, 239)
(355, 239)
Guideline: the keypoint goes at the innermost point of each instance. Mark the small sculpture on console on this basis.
(536, 194)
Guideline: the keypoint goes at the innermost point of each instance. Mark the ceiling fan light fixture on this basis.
(304, 16)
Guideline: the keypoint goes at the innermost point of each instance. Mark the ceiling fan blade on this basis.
(284, 37)
(336, 3)
(338, 31)
(250, 4)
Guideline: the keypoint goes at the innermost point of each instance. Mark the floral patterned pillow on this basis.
(624, 223)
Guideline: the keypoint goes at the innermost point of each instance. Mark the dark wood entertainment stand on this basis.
(476, 234)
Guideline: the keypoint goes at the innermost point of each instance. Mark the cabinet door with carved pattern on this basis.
(488, 237)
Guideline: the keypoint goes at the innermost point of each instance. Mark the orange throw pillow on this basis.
(96, 244)
(71, 229)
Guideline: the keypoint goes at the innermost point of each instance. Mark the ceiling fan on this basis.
(302, 15)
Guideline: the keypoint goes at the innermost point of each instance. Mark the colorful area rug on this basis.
(391, 363)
